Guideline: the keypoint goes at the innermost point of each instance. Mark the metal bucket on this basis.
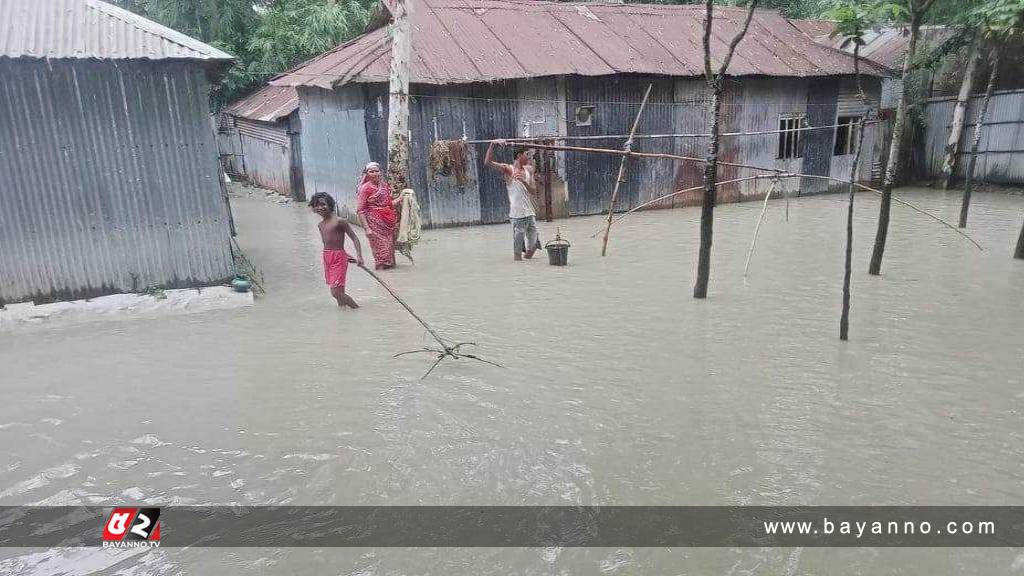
(558, 251)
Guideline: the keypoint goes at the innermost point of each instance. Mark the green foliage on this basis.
(998, 20)
(854, 18)
(266, 37)
(292, 31)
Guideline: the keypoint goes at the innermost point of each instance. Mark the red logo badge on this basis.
(132, 528)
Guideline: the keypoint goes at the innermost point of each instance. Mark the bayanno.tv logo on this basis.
(132, 528)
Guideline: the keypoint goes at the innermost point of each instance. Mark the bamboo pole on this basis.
(519, 140)
(627, 147)
(910, 205)
(662, 155)
(760, 219)
(447, 350)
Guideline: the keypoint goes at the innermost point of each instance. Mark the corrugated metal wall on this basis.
(541, 111)
(821, 111)
(334, 142)
(268, 152)
(549, 105)
(1002, 138)
(110, 180)
(615, 102)
(442, 201)
(850, 103)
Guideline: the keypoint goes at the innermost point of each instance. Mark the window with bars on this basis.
(791, 140)
(847, 128)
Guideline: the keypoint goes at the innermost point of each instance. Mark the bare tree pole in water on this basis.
(627, 148)
(1019, 253)
(956, 129)
(972, 160)
(452, 351)
(844, 318)
(398, 96)
(918, 8)
(716, 82)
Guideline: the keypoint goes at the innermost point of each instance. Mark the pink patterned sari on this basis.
(374, 204)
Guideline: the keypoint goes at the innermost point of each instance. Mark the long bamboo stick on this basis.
(798, 175)
(627, 147)
(760, 219)
(662, 155)
(565, 138)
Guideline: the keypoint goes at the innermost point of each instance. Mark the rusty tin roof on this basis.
(463, 41)
(267, 105)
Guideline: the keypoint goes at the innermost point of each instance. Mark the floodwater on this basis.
(619, 388)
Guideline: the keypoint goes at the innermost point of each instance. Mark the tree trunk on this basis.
(1020, 244)
(956, 130)
(716, 81)
(398, 96)
(993, 76)
(891, 169)
(707, 213)
(844, 319)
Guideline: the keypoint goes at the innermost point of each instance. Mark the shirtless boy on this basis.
(333, 231)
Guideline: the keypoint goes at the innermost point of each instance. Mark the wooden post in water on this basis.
(398, 96)
(549, 166)
(1019, 253)
(627, 148)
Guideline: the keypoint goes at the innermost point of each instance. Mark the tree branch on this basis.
(708, 15)
(739, 36)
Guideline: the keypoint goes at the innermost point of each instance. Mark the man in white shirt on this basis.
(519, 183)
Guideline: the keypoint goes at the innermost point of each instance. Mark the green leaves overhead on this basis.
(998, 20)
(854, 18)
(292, 31)
(266, 36)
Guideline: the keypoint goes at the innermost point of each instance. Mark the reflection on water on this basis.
(619, 389)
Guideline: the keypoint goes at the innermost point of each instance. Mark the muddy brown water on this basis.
(619, 389)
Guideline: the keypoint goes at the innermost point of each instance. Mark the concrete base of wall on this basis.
(189, 300)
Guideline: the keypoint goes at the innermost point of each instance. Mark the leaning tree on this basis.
(997, 22)
(916, 10)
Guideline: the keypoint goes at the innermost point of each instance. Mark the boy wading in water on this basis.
(333, 231)
(520, 185)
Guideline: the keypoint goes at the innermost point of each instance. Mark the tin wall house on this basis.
(264, 140)
(108, 163)
(498, 69)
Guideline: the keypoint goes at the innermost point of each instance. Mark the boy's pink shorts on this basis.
(335, 267)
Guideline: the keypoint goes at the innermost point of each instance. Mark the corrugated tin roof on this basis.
(815, 28)
(91, 29)
(267, 105)
(462, 41)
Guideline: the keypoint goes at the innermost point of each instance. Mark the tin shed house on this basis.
(258, 137)
(108, 167)
(484, 69)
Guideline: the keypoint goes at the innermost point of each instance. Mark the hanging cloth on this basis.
(409, 224)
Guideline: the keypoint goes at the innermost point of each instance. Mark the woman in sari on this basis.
(376, 210)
